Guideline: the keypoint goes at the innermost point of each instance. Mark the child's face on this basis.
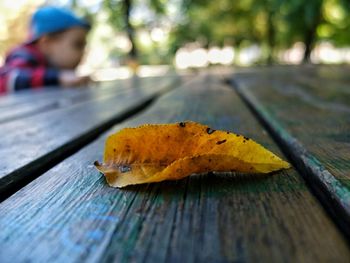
(66, 50)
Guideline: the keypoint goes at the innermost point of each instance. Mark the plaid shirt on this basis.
(26, 68)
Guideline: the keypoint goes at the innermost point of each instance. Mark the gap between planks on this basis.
(333, 196)
(14, 181)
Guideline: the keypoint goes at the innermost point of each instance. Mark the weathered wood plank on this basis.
(30, 145)
(69, 214)
(309, 115)
(27, 96)
(20, 105)
(24, 104)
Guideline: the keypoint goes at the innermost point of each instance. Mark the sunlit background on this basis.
(189, 34)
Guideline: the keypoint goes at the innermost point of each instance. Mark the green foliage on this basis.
(115, 12)
(273, 24)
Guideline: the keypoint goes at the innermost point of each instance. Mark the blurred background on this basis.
(189, 34)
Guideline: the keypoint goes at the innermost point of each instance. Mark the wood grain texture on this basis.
(69, 214)
(308, 111)
(29, 145)
(28, 103)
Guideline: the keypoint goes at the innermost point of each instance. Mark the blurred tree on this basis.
(335, 25)
(271, 24)
(120, 17)
(241, 23)
(302, 19)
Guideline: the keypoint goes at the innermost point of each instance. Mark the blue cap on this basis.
(48, 20)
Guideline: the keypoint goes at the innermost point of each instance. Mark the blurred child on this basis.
(54, 49)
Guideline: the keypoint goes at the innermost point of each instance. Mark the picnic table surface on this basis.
(56, 207)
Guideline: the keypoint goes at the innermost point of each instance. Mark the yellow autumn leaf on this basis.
(157, 152)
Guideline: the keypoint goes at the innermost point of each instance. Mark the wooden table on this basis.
(57, 208)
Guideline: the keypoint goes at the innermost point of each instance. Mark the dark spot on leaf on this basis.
(124, 168)
(210, 130)
(220, 142)
(182, 124)
(228, 132)
(245, 138)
